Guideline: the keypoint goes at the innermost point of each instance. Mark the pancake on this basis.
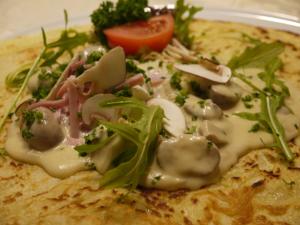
(260, 189)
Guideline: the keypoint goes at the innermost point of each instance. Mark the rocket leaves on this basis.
(265, 55)
(142, 132)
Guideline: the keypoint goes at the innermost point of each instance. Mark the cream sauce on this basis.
(61, 161)
(240, 141)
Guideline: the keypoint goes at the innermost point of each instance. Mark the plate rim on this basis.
(258, 18)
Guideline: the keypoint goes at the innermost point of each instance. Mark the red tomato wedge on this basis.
(154, 33)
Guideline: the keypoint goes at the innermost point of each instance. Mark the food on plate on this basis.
(200, 128)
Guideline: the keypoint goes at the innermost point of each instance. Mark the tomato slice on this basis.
(154, 33)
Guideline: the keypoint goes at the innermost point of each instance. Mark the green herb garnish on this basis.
(258, 56)
(175, 80)
(48, 56)
(181, 97)
(94, 56)
(109, 14)
(142, 133)
(132, 68)
(184, 14)
(272, 96)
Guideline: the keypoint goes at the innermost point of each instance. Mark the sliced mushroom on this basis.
(140, 93)
(104, 157)
(174, 121)
(91, 108)
(188, 155)
(46, 133)
(108, 72)
(203, 109)
(220, 74)
(223, 96)
(213, 133)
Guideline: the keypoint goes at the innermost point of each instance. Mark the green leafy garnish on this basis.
(142, 133)
(48, 56)
(272, 96)
(15, 79)
(89, 148)
(184, 14)
(109, 14)
(258, 56)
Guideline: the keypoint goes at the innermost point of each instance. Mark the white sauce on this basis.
(61, 161)
(240, 142)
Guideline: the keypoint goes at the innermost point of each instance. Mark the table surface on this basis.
(18, 16)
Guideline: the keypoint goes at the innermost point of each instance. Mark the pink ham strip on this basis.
(56, 104)
(138, 79)
(135, 80)
(156, 79)
(62, 90)
(73, 108)
(72, 66)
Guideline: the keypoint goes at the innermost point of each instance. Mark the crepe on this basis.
(260, 189)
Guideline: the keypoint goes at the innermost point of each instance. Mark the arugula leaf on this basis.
(142, 133)
(14, 79)
(49, 54)
(184, 14)
(258, 56)
(266, 55)
(89, 148)
(109, 14)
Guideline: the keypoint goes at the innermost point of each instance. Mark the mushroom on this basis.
(174, 121)
(91, 108)
(104, 156)
(219, 74)
(223, 96)
(46, 133)
(140, 93)
(203, 109)
(213, 133)
(188, 155)
(108, 72)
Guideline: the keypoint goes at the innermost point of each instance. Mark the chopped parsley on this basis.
(247, 99)
(26, 133)
(181, 97)
(93, 57)
(132, 68)
(202, 103)
(30, 116)
(125, 92)
(176, 80)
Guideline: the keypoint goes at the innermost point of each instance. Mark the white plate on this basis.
(262, 19)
